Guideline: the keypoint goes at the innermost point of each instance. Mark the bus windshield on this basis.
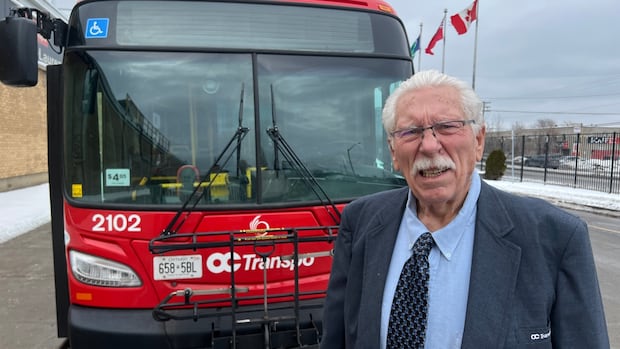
(149, 128)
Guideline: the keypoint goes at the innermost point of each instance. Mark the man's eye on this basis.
(446, 126)
(449, 127)
(409, 132)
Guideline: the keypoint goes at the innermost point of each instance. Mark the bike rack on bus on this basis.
(186, 304)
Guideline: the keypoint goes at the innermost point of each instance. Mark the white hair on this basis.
(470, 102)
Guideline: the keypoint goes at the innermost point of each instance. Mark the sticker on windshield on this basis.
(97, 28)
(117, 177)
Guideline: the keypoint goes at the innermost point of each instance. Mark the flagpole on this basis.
(443, 53)
(473, 79)
(420, 54)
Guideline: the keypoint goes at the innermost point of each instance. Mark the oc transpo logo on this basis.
(256, 224)
(218, 263)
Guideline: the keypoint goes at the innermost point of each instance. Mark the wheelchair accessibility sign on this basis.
(97, 28)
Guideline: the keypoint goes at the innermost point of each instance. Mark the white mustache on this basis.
(429, 163)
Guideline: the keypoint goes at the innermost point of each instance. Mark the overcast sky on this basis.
(553, 59)
(536, 59)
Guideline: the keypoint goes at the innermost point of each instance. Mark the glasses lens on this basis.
(448, 127)
(406, 134)
(445, 128)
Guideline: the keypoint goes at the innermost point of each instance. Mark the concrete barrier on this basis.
(24, 181)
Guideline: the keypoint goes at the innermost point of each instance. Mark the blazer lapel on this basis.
(495, 264)
(379, 245)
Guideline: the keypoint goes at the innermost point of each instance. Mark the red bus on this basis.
(200, 153)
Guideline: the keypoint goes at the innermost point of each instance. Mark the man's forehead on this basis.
(446, 95)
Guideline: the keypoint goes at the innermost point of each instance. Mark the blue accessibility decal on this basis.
(97, 28)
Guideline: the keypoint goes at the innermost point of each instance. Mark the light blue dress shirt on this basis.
(449, 268)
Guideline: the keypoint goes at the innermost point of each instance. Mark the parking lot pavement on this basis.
(27, 305)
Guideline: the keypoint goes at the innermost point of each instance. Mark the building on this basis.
(23, 116)
(584, 141)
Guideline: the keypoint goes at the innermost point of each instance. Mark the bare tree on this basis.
(494, 123)
(569, 123)
(545, 126)
(545, 123)
(518, 127)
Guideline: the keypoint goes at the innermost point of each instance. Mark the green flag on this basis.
(415, 47)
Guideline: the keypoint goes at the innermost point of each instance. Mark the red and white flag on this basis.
(436, 38)
(463, 19)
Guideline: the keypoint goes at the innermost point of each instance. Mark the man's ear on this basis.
(395, 164)
(480, 143)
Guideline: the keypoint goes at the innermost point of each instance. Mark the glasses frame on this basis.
(418, 131)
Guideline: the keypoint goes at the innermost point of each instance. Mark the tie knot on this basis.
(423, 244)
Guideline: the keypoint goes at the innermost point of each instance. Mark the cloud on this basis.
(531, 57)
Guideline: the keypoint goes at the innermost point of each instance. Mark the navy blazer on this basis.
(533, 279)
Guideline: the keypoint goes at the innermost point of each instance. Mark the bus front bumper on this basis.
(95, 328)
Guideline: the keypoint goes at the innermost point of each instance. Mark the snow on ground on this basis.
(22, 210)
(563, 195)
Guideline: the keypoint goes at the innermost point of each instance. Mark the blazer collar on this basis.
(380, 241)
(495, 264)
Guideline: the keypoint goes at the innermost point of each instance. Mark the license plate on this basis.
(177, 267)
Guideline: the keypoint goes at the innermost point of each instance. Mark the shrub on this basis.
(495, 165)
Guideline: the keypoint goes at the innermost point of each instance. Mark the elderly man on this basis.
(451, 262)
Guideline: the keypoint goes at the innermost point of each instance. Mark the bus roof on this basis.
(375, 5)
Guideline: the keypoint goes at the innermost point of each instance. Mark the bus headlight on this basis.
(98, 271)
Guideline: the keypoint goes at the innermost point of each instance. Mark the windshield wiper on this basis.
(216, 169)
(281, 146)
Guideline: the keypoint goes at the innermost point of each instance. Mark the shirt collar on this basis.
(448, 237)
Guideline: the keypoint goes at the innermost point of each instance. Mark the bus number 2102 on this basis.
(116, 222)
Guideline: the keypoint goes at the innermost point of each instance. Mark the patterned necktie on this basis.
(407, 326)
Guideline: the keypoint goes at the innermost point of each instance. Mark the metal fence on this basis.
(587, 161)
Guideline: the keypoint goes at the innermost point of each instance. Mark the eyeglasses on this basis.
(444, 128)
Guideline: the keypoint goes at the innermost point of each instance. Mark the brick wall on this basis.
(23, 135)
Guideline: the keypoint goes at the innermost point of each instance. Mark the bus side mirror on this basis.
(18, 52)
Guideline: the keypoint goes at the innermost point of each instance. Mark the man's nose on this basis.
(428, 143)
(430, 128)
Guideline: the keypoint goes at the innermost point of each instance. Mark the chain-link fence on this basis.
(588, 161)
